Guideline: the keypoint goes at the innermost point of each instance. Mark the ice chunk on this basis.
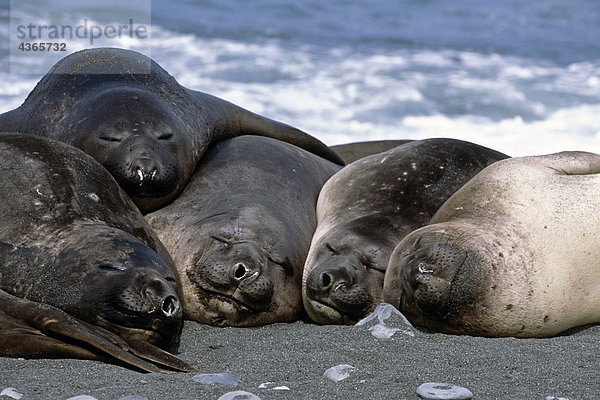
(223, 378)
(239, 395)
(380, 330)
(443, 391)
(272, 386)
(11, 392)
(339, 372)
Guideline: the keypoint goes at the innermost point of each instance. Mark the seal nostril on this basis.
(140, 173)
(240, 271)
(144, 169)
(170, 306)
(325, 280)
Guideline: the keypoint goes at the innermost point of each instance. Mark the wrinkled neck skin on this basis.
(101, 275)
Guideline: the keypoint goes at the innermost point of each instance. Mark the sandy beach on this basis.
(296, 355)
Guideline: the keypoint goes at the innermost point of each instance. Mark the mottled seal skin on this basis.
(512, 253)
(240, 231)
(367, 208)
(72, 240)
(128, 113)
(350, 152)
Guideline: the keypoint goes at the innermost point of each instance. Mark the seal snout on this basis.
(158, 296)
(322, 282)
(144, 169)
(240, 272)
(170, 306)
(429, 269)
(342, 284)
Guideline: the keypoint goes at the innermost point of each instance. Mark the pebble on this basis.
(443, 391)
(272, 386)
(339, 372)
(11, 392)
(223, 378)
(239, 395)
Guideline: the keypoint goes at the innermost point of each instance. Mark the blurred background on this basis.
(522, 77)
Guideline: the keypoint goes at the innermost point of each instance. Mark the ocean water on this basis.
(522, 77)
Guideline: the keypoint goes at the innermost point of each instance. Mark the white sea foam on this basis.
(515, 105)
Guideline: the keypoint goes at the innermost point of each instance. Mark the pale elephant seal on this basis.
(512, 253)
(240, 231)
(366, 208)
(350, 152)
(81, 273)
(128, 113)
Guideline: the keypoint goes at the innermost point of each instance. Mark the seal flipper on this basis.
(237, 121)
(46, 331)
(161, 358)
(570, 162)
(31, 343)
(10, 121)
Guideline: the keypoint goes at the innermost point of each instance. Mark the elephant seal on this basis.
(365, 209)
(79, 266)
(350, 152)
(512, 253)
(240, 231)
(128, 113)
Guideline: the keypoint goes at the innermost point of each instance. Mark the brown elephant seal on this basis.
(128, 113)
(240, 231)
(366, 208)
(79, 266)
(512, 253)
(350, 152)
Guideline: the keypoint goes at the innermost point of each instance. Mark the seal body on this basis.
(365, 209)
(240, 231)
(128, 113)
(512, 253)
(72, 240)
(350, 152)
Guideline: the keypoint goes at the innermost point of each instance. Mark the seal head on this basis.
(136, 138)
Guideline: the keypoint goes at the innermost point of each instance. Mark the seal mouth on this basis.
(217, 309)
(240, 306)
(322, 313)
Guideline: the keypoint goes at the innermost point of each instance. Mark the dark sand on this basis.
(297, 354)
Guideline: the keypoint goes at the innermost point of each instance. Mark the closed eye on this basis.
(331, 249)
(110, 138)
(165, 136)
(221, 241)
(286, 265)
(107, 266)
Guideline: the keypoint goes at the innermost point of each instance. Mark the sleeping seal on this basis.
(512, 253)
(365, 209)
(128, 113)
(81, 273)
(240, 231)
